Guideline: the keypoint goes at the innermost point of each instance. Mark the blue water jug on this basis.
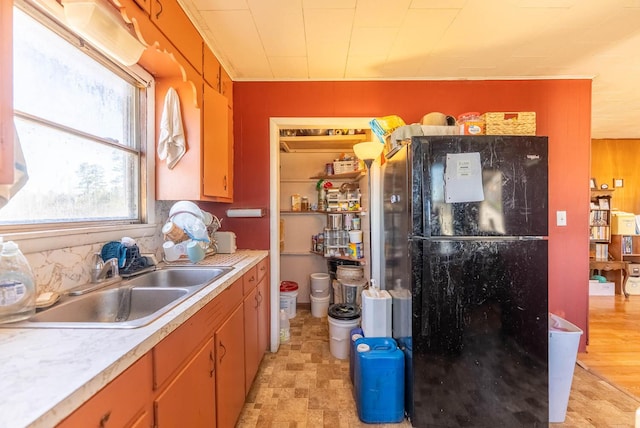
(355, 334)
(379, 380)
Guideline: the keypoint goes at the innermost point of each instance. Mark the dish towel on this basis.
(20, 175)
(171, 144)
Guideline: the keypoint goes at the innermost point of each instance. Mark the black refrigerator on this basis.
(465, 253)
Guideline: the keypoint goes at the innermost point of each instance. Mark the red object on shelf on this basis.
(286, 286)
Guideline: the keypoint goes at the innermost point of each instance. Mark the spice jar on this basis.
(304, 205)
(296, 202)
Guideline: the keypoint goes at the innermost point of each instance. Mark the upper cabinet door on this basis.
(226, 86)
(217, 180)
(211, 68)
(174, 23)
(6, 92)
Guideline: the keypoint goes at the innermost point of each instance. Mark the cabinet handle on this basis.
(224, 353)
(212, 366)
(257, 302)
(259, 297)
(225, 182)
(160, 11)
(104, 419)
(252, 279)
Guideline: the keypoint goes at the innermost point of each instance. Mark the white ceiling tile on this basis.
(380, 13)
(438, 4)
(220, 4)
(248, 58)
(435, 39)
(289, 67)
(372, 41)
(365, 67)
(329, 4)
(280, 26)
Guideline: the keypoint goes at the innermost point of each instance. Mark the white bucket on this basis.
(339, 335)
(320, 284)
(564, 339)
(319, 306)
(288, 302)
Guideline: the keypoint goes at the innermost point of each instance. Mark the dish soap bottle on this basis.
(285, 332)
(17, 285)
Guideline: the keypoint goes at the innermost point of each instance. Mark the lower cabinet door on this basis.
(189, 400)
(230, 369)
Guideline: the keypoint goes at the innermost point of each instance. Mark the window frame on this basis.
(33, 238)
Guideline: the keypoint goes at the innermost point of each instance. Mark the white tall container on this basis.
(564, 339)
(376, 313)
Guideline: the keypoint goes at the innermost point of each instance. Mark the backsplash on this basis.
(65, 268)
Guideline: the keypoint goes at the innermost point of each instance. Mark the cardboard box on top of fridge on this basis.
(623, 223)
(597, 288)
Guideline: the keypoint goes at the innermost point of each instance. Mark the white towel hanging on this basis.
(171, 144)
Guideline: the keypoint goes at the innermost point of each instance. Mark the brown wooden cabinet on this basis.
(230, 382)
(226, 86)
(196, 376)
(189, 400)
(211, 68)
(6, 92)
(256, 319)
(124, 402)
(144, 5)
(217, 153)
(251, 363)
(171, 19)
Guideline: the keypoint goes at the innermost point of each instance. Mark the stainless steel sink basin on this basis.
(178, 277)
(127, 304)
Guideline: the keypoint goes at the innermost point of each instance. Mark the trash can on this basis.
(564, 339)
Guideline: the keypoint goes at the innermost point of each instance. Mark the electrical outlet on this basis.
(561, 218)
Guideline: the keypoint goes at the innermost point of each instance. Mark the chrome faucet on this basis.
(101, 270)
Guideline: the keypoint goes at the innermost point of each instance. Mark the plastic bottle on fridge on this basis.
(17, 285)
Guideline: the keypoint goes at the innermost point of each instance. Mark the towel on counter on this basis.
(20, 174)
(171, 144)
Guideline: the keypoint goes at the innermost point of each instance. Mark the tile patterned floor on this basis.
(303, 385)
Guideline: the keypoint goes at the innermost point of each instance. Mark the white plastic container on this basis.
(355, 236)
(342, 319)
(319, 306)
(17, 285)
(564, 339)
(285, 328)
(352, 290)
(376, 313)
(320, 284)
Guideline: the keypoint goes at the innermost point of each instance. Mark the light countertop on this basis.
(45, 374)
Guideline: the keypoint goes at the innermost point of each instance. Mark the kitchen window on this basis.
(81, 120)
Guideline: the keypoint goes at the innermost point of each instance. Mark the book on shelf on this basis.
(599, 232)
(602, 252)
(627, 245)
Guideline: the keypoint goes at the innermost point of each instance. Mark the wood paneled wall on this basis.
(618, 158)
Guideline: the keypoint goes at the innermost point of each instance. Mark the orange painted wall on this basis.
(563, 110)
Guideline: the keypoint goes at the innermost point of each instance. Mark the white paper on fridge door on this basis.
(463, 178)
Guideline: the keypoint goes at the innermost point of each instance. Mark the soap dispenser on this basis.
(17, 285)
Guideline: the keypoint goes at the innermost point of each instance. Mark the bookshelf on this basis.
(600, 225)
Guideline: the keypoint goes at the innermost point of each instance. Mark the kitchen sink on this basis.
(178, 277)
(129, 303)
